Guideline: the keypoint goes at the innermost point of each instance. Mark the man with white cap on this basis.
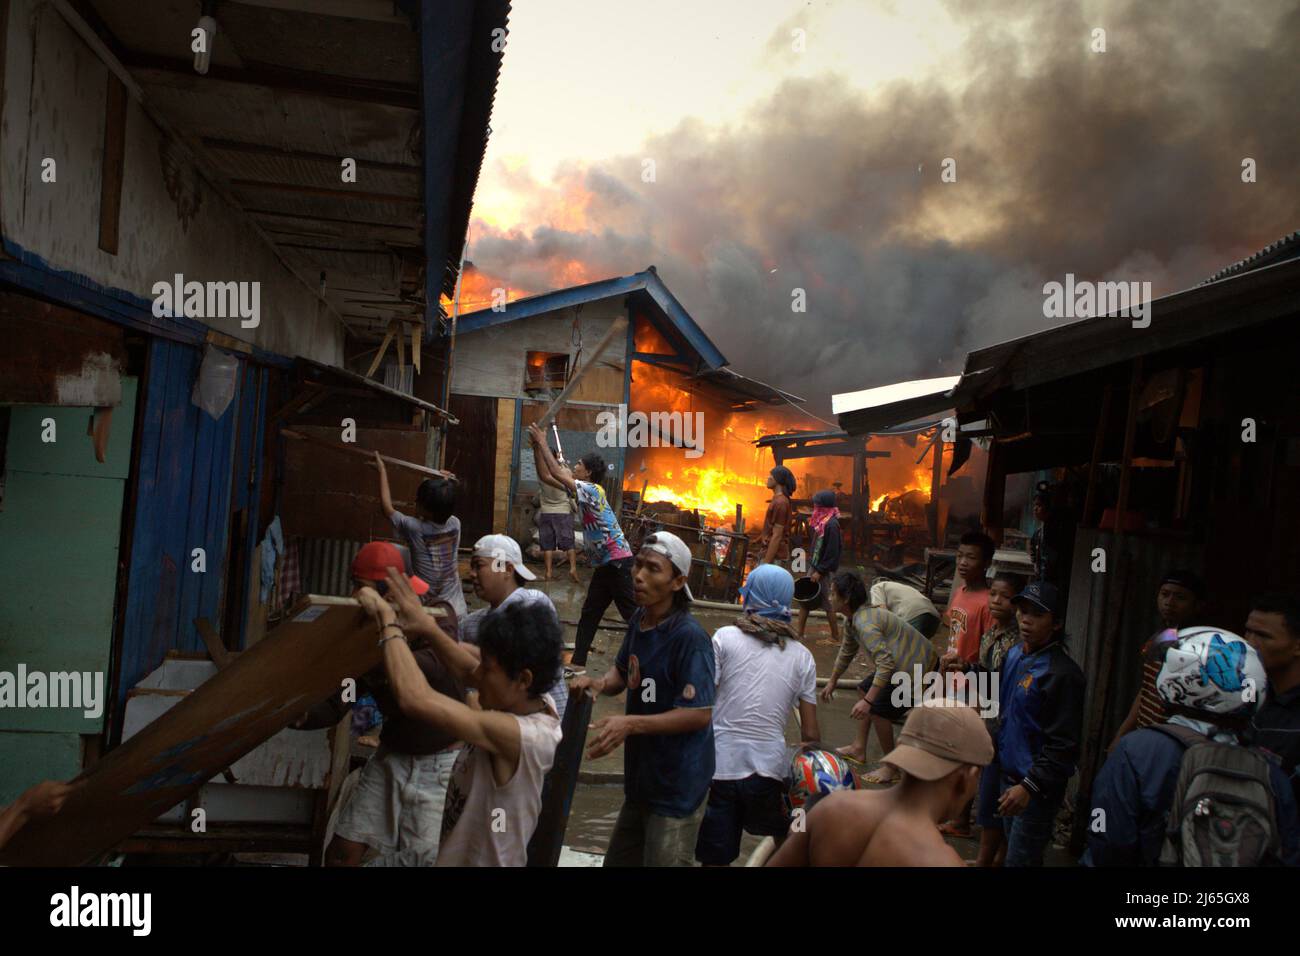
(499, 575)
(940, 752)
(666, 665)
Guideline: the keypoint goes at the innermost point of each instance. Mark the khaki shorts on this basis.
(396, 807)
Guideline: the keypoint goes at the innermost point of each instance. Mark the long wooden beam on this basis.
(151, 68)
(362, 453)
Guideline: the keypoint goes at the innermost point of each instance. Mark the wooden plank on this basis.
(212, 641)
(110, 187)
(298, 664)
(349, 450)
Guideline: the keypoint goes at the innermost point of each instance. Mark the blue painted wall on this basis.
(186, 479)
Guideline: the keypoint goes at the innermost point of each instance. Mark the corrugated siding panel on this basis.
(1134, 566)
(327, 564)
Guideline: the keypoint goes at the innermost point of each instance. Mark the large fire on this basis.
(478, 290)
(732, 470)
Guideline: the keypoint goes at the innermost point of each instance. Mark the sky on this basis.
(801, 145)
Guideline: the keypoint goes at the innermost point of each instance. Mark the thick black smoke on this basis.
(1117, 165)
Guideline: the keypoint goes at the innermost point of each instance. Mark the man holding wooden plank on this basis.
(607, 549)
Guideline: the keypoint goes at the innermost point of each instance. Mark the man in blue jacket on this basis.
(1201, 683)
(1040, 724)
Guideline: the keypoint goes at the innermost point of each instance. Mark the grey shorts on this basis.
(396, 807)
(644, 838)
(556, 531)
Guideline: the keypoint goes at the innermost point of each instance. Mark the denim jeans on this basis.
(1029, 833)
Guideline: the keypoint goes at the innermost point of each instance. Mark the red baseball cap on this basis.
(374, 559)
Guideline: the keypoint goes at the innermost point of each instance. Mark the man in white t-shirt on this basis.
(763, 674)
(495, 793)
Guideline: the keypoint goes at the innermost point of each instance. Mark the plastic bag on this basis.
(215, 387)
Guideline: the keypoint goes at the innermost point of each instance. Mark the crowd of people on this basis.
(1203, 769)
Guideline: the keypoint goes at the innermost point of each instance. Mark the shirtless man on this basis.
(940, 752)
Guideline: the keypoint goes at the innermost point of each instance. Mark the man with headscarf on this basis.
(774, 545)
(763, 673)
(824, 527)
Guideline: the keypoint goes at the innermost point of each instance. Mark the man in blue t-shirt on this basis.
(666, 665)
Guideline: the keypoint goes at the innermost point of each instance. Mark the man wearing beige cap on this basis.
(940, 752)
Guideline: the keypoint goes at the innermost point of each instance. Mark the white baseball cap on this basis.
(502, 547)
(675, 550)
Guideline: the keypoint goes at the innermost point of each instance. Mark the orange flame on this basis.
(732, 469)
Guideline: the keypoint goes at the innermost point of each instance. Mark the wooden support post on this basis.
(1130, 433)
(740, 519)
(1094, 466)
(936, 483)
(858, 523)
(995, 488)
(110, 189)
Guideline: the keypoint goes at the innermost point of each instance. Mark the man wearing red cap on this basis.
(396, 808)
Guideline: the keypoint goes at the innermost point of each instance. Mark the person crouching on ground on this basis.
(894, 646)
(763, 674)
(939, 755)
(666, 665)
(495, 792)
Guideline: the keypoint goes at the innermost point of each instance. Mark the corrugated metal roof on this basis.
(1288, 247)
(647, 287)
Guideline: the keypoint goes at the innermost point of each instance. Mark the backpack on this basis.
(1223, 812)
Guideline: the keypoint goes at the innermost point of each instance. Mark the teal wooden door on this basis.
(60, 528)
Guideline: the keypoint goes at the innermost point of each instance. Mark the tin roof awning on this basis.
(887, 406)
(744, 392)
(350, 134)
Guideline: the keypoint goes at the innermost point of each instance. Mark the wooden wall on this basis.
(504, 451)
(331, 494)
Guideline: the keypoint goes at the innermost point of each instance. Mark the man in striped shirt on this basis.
(893, 645)
(1178, 602)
